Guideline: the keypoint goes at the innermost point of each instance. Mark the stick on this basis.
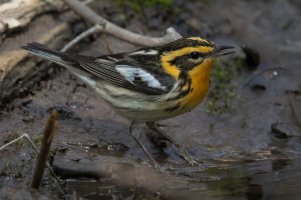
(45, 146)
(110, 28)
(90, 31)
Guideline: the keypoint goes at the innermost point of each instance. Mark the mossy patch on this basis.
(138, 5)
(222, 95)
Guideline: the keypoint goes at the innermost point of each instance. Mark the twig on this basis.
(45, 146)
(110, 28)
(90, 31)
(26, 136)
(20, 138)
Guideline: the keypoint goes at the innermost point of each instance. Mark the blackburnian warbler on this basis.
(149, 84)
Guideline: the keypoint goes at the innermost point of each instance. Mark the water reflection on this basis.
(269, 179)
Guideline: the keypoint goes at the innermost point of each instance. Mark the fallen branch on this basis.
(10, 20)
(110, 28)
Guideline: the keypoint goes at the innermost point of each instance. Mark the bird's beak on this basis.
(221, 51)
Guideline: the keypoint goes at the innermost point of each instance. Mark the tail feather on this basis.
(68, 61)
(49, 54)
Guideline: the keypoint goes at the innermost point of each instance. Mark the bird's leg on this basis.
(135, 132)
(163, 138)
(160, 138)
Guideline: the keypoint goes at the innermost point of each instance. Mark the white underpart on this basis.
(103, 60)
(129, 73)
(114, 59)
(142, 52)
(87, 80)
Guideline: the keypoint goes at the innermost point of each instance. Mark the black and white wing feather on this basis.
(119, 69)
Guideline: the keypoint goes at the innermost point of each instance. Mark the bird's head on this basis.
(189, 55)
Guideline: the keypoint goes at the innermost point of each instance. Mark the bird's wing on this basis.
(127, 70)
(121, 71)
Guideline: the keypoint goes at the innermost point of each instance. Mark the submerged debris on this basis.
(283, 130)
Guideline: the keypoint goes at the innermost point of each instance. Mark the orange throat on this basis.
(199, 85)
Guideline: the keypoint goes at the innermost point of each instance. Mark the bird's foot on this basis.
(185, 155)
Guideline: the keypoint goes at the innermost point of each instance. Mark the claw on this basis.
(186, 156)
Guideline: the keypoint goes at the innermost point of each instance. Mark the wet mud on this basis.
(246, 134)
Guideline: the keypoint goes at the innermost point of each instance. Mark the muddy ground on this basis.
(246, 134)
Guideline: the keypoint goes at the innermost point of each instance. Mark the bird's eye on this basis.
(195, 55)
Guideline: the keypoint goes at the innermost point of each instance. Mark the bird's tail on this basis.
(68, 61)
(49, 54)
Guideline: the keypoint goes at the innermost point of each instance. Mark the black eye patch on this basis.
(188, 61)
(195, 55)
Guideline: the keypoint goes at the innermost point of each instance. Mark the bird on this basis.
(146, 85)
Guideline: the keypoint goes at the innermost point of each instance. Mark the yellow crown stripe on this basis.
(173, 70)
(198, 39)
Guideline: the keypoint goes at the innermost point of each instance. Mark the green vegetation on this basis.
(138, 5)
(222, 96)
